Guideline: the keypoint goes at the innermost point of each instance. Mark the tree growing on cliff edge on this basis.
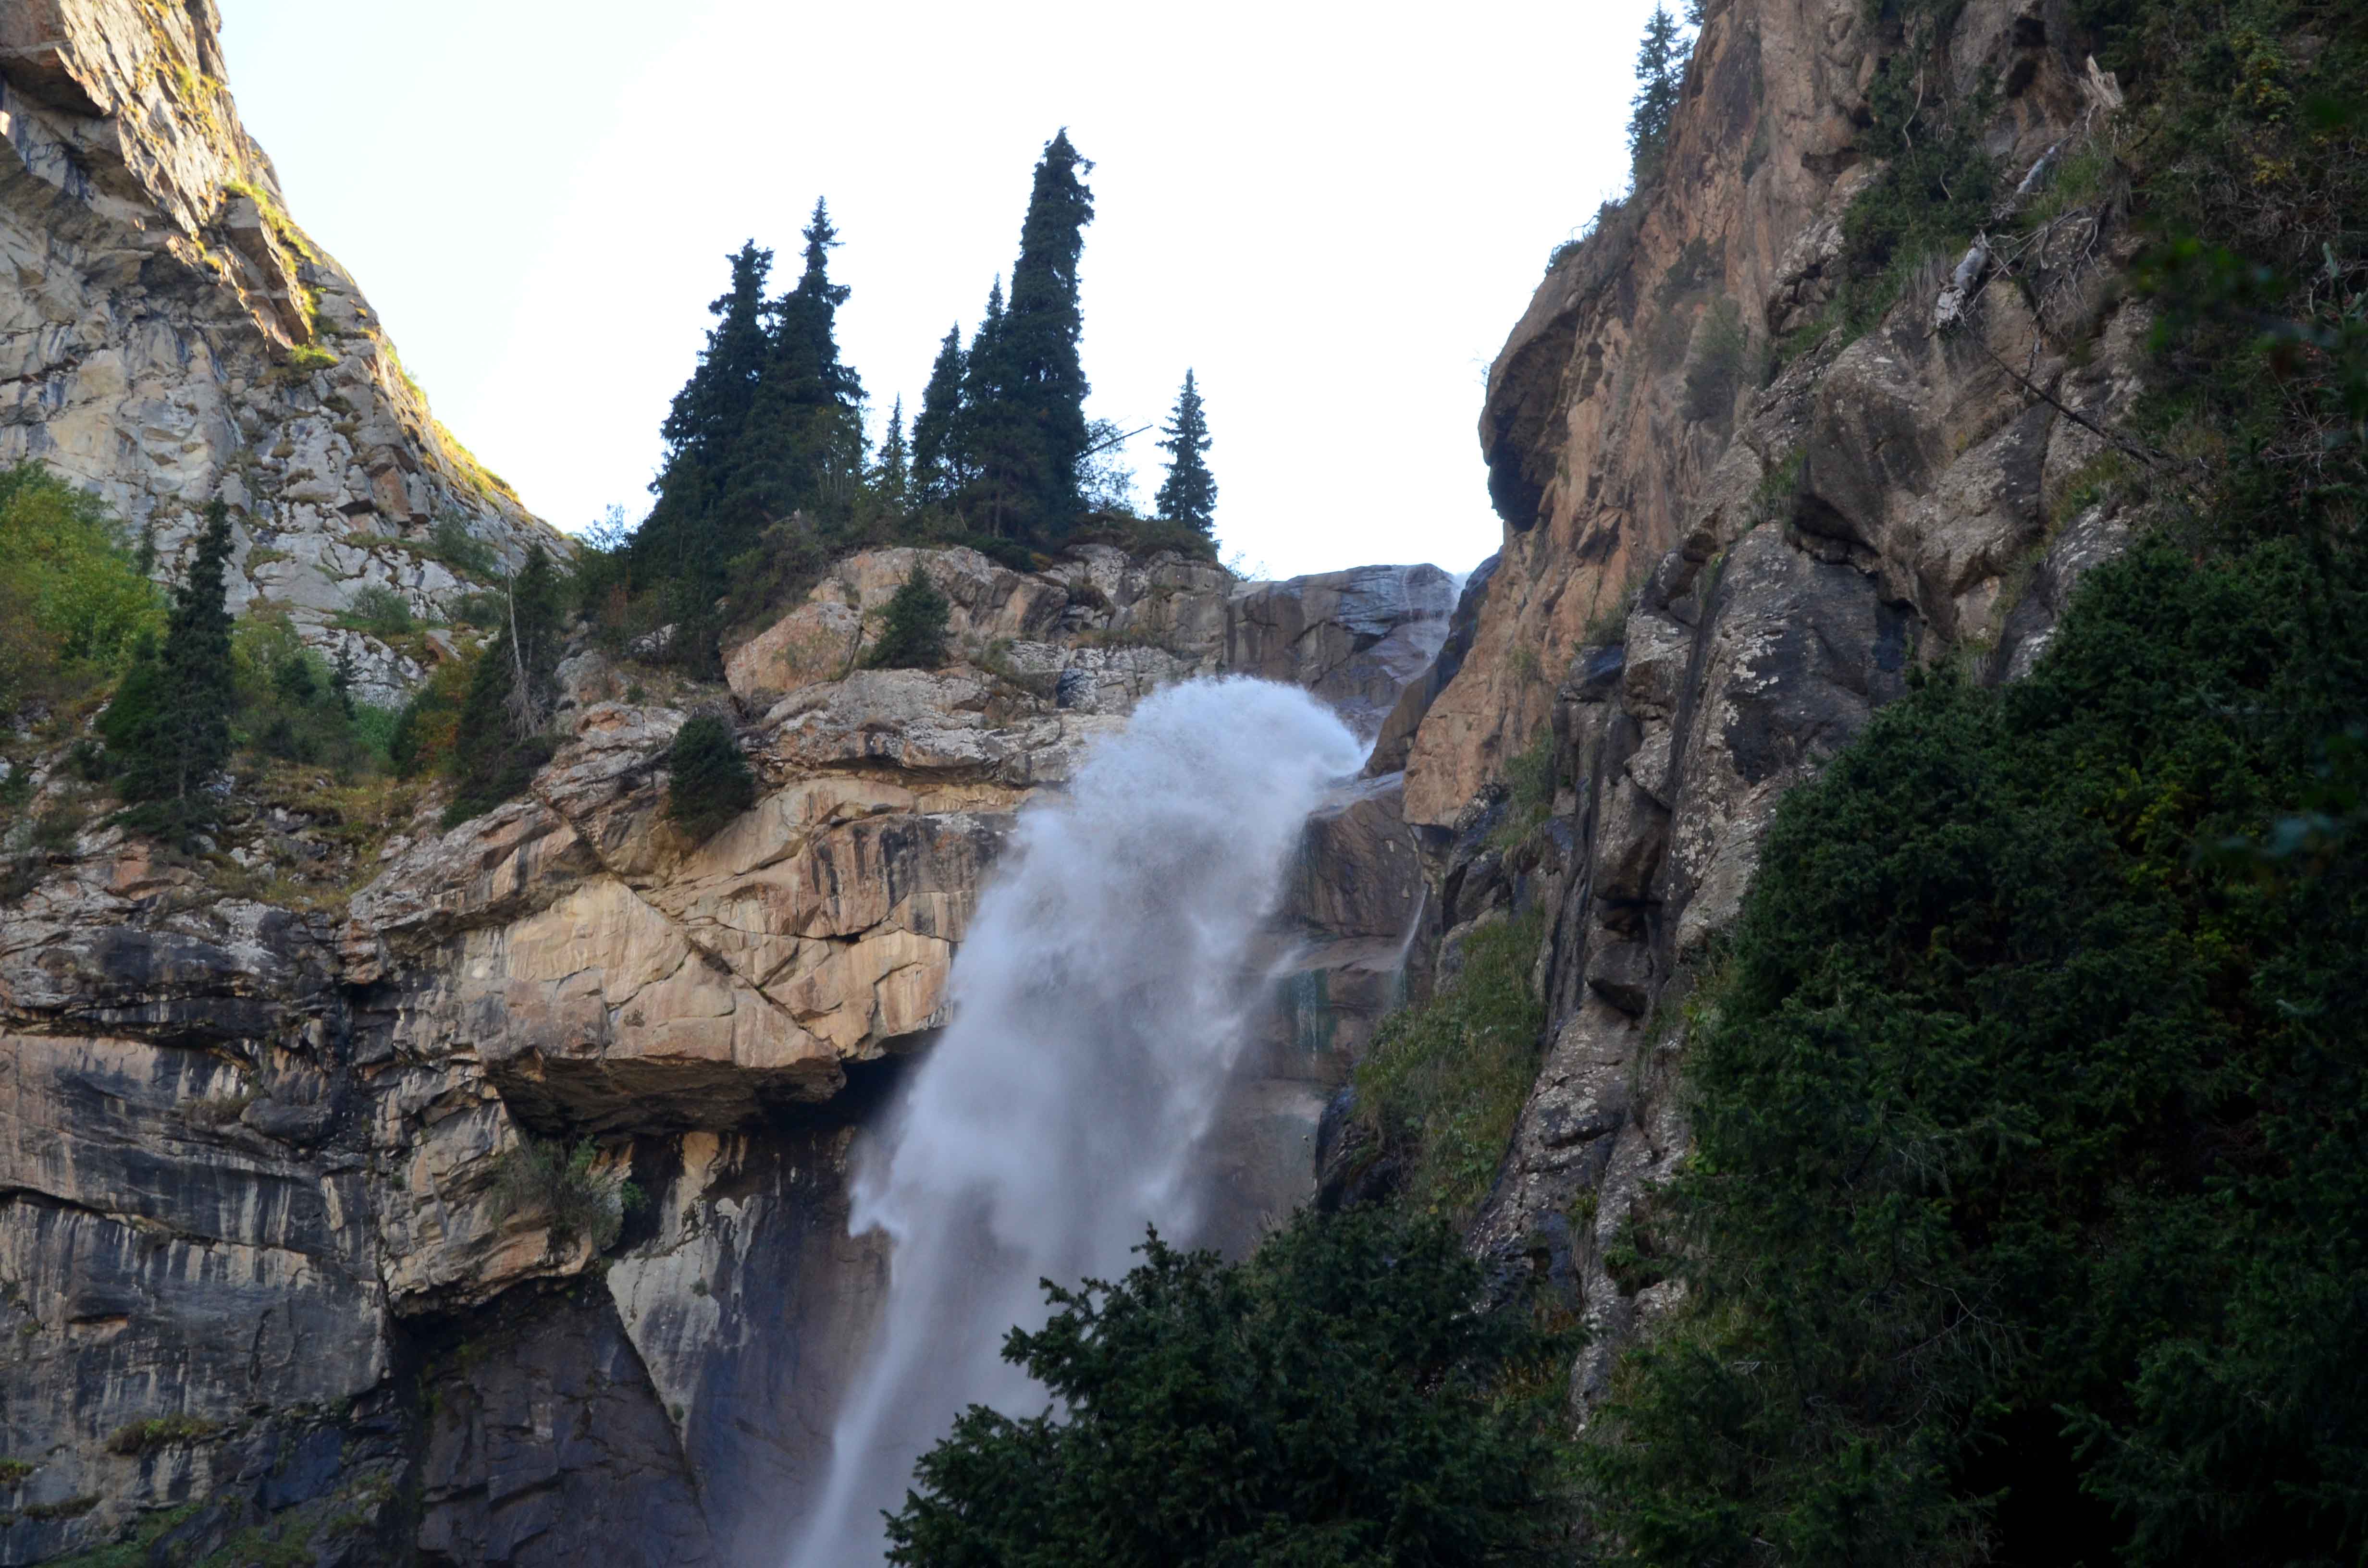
(686, 535)
(937, 466)
(804, 442)
(708, 781)
(1188, 495)
(892, 476)
(169, 727)
(914, 635)
(1661, 72)
(1026, 386)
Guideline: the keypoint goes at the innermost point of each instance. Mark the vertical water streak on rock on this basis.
(1098, 1006)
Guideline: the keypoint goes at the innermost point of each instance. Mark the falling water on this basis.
(1098, 1004)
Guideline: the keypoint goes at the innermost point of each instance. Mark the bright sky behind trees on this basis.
(1332, 214)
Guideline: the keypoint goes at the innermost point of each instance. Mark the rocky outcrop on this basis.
(1624, 417)
(301, 1214)
(1717, 565)
(172, 338)
(1355, 638)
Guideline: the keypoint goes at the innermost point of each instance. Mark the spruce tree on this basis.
(986, 430)
(708, 781)
(891, 475)
(915, 636)
(1660, 72)
(936, 468)
(175, 733)
(686, 539)
(1035, 353)
(804, 445)
(1189, 492)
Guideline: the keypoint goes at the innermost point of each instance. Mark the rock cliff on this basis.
(1736, 522)
(171, 337)
(315, 1225)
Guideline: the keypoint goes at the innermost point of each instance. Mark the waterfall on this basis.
(1098, 1002)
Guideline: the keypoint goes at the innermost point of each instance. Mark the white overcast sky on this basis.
(1334, 213)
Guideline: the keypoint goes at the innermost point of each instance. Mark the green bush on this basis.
(1720, 366)
(1338, 1399)
(73, 600)
(914, 634)
(377, 610)
(293, 706)
(1530, 779)
(709, 780)
(1443, 1083)
(455, 546)
(558, 1183)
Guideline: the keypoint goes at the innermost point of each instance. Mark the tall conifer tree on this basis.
(173, 736)
(512, 693)
(1189, 492)
(988, 429)
(805, 441)
(891, 475)
(681, 540)
(1024, 420)
(937, 458)
(1037, 349)
(1660, 72)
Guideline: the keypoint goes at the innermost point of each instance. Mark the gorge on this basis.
(1773, 843)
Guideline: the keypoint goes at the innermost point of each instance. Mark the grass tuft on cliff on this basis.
(1443, 1083)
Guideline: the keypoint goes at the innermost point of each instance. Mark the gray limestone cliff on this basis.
(171, 336)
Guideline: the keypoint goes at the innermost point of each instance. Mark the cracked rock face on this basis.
(172, 338)
(1700, 598)
(262, 1247)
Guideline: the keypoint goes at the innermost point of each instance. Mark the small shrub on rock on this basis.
(712, 783)
(914, 637)
(558, 1181)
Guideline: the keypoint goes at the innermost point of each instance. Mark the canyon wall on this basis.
(281, 1266)
(1735, 523)
(172, 338)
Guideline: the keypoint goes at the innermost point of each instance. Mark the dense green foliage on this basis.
(913, 635)
(295, 706)
(1335, 1401)
(169, 729)
(1443, 1082)
(709, 782)
(1188, 495)
(937, 473)
(74, 600)
(2028, 1216)
(2033, 1137)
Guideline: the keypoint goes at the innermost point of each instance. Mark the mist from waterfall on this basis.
(1097, 1005)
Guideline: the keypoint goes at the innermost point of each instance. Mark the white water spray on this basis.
(1098, 1004)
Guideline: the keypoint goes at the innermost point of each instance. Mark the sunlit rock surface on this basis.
(171, 336)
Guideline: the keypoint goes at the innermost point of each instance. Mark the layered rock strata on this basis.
(172, 338)
(279, 1257)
